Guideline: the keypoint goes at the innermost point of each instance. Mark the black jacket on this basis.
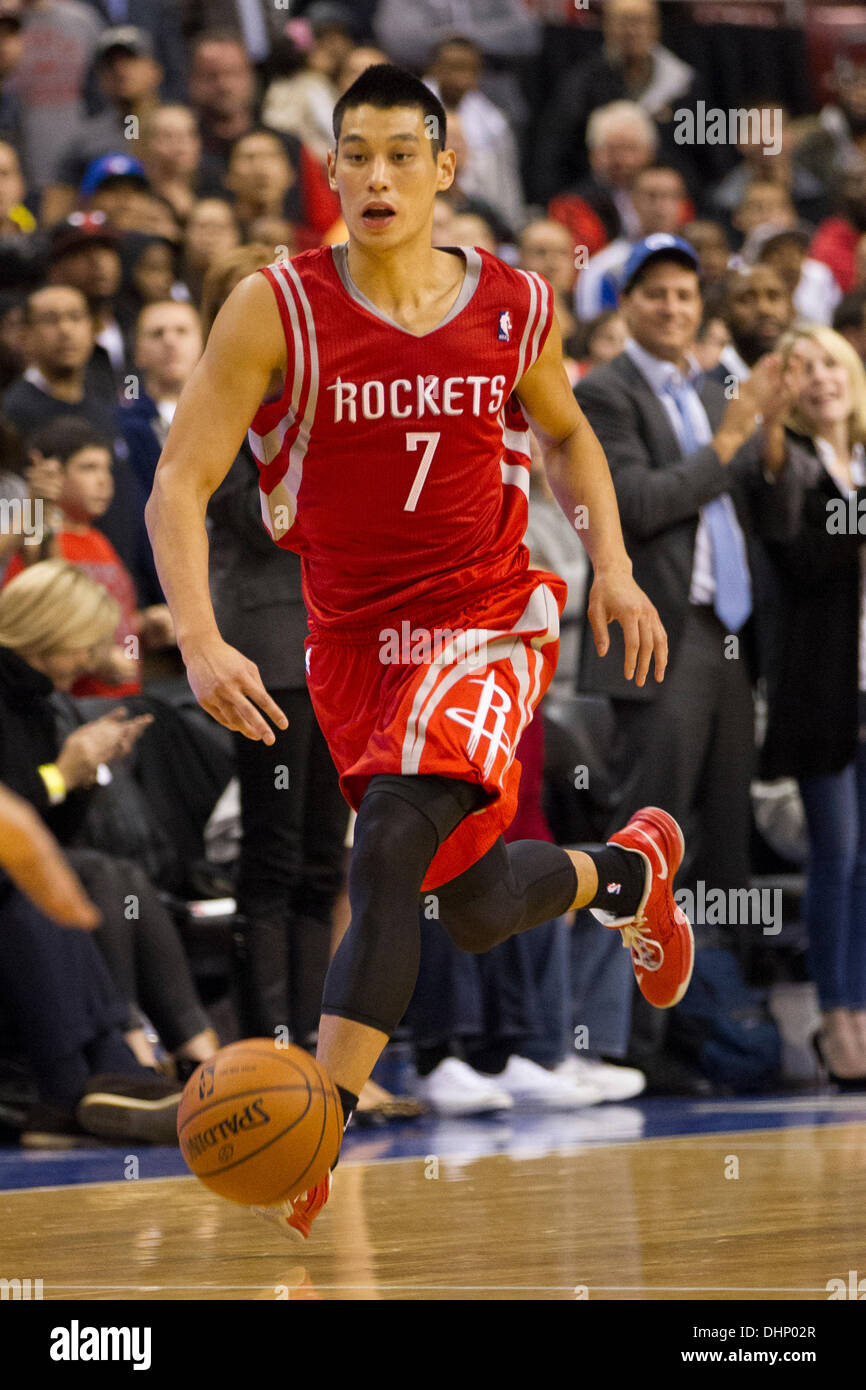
(812, 689)
(660, 493)
(255, 585)
(28, 739)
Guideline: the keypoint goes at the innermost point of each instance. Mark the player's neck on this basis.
(403, 277)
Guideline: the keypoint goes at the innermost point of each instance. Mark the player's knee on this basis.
(391, 836)
(472, 934)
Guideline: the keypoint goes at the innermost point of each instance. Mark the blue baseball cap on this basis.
(660, 244)
(112, 166)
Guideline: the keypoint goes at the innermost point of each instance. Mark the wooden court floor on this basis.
(756, 1215)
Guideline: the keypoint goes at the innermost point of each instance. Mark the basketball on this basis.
(259, 1123)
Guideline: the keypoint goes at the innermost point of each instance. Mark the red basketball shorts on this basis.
(451, 702)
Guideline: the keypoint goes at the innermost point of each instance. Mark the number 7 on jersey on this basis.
(412, 442)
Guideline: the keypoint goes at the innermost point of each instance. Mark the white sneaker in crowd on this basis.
(614, 1083)
(529, 1084)
(453, 1088)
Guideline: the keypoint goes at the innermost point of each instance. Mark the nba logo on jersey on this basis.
(504, 334)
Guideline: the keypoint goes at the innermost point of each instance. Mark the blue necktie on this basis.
(732, 601)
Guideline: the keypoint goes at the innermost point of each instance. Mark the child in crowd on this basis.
(85, 495)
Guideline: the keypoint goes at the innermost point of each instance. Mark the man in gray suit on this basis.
(699, 480)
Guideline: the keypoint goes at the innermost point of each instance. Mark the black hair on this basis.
(65, 436)
(384, 86)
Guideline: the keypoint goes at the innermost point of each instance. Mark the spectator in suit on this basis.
(632, 66)
(696, 483)
(817, 687)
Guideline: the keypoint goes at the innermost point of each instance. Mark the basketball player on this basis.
(390, 385)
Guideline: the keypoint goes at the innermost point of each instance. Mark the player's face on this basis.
(663, 310)
(386, 175)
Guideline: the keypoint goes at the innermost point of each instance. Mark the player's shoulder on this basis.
(520, 282)
(316, 261)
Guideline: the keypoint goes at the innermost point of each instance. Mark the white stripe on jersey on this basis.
(544, 294)
(299, 448)
(305, 365)
(540, 612)
(528, 326)
(515, 473)
(518, 440)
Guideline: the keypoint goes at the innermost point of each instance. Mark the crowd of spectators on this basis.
(153, 153)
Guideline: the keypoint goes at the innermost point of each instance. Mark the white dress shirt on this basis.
(658, 374)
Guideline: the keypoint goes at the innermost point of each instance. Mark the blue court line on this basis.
(518, 1134)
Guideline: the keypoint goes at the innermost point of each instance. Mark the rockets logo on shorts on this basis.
(493, 700)
(504, 334)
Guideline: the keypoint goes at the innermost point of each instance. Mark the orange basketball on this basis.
(259, 1123)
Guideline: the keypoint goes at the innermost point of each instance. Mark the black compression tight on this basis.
(400, 825)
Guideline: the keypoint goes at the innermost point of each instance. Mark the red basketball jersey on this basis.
(396, 465)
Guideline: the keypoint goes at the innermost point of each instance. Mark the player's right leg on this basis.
(628, 886)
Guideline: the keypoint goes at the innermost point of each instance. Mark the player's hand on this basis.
(615, 597)
(34, 861)
(229, 687)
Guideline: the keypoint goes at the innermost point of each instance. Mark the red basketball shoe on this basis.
(659, 935)
(294, 1218)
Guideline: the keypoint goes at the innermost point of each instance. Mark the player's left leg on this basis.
(628, 885)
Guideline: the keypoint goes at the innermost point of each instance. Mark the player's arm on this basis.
(579, 476)
(245, 347)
